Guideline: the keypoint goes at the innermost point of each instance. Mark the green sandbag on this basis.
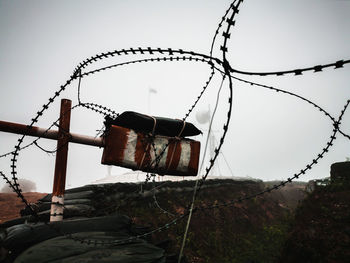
(65, 250)
(43, 206)
(24, 235)
(70, 195)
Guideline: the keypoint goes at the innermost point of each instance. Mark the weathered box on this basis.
(126, 148)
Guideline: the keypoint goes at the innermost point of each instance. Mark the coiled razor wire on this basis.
(174, 55)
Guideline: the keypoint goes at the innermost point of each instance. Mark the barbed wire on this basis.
(309, 166)
(289, 180)
(149, 50)
(15, 185)
(327, 114)
(318, 68)
(226, 66)
(232, 7)
(227, 35)
(204, 206)
(287, 93)
(172, 55)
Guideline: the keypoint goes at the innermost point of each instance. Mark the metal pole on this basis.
(61, 162)
(16, 128)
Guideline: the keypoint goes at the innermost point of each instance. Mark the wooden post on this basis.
(61, 162)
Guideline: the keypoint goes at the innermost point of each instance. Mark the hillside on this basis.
(287, 225)
(250, 231)
(321, 230)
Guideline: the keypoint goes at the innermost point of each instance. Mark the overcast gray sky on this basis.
(271, 136)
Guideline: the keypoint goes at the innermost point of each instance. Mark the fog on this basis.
(271, 135)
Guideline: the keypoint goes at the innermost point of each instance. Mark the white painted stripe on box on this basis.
(185, 156)
(129, 151)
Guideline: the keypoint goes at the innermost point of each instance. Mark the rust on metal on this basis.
(194, 160)
(142, 151)
(120, 143)
(174, 154)
(48, 134)
(130, 149)
(27, 130)
(62, 148)
(139, 154)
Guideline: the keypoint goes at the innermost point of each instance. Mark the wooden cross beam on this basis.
(63, 137)
(16, 128)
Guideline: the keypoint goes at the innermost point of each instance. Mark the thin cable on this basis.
(227, 164)
(197, 181)
(210, 125)
(229, 167)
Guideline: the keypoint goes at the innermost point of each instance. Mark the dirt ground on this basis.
(11, 205)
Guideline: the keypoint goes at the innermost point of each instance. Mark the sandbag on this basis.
(61, 249)
(70, 195)
(24, 235)
(145, 124)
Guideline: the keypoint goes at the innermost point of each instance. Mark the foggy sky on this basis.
(271, 136)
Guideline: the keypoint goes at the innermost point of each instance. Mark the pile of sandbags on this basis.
(85, 235)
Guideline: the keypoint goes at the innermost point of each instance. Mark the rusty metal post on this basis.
(61, 162)
(17, 128)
